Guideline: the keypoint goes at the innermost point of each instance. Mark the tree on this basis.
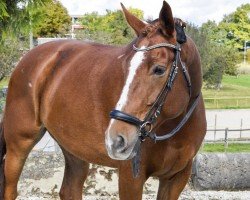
(11, 50)
(46, 17)
(112, 27)
(217, 38)
(203, 44)
(212, 71)
(53, 20)
(216, 58)
(14, 20)
(16, 16)
(236, 27)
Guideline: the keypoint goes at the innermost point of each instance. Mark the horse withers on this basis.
(152, 87)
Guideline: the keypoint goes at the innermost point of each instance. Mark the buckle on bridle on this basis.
(145, 129)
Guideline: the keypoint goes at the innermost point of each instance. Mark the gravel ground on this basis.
(186, 195)
(43, 173)
(215, 195)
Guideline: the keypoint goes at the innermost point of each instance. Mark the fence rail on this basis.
(226, 138)
(223, 129)
(227, 102)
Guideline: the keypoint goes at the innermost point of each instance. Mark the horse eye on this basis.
(159, 70)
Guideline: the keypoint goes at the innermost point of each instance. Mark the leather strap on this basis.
(119, 115)
(179, 126)
(176, 47)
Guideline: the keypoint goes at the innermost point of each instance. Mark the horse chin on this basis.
(133, 153)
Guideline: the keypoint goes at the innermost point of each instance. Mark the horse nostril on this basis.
(119, 144)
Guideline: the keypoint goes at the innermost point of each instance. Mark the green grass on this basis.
(232, 147)
(242, 80)
(232, 88)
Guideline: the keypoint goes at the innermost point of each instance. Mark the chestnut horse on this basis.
(69, 88)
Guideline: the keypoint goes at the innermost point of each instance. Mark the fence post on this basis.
(226, 139)
(241, 124)
(215, 126)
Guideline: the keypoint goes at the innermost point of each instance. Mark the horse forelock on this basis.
(153, 26)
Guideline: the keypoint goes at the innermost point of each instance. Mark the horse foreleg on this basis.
(18, 148)
(129, 187)
(170, 189)
(75, 173)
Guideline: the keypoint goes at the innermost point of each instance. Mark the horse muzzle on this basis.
(119, 146)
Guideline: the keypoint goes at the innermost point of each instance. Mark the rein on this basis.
(145, 126)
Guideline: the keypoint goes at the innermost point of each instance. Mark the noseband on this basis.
(145, 127)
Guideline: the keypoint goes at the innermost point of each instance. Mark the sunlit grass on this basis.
(232, 87)
(232, 147)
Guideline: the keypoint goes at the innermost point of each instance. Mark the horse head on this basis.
(148, 66)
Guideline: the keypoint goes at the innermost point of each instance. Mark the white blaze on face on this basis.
(134, 65)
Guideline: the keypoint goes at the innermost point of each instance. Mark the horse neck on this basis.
(192, 60)
(119, 58)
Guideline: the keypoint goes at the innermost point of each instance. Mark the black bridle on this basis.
(145, 126)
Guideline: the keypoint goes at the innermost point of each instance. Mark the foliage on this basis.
(236, 27)
(53, 20)
(207, 52)
(224, 55)
(2, 104)
(45, 17)
(10, 51)
(15, 16)
(213, 75)
(110, 28)
(48, 17)
(217, 59)
(232, 58)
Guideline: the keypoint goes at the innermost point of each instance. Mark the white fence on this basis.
(45, 40)
(236, 121)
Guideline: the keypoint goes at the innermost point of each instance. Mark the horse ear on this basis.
(166, 19)
(133, 21)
